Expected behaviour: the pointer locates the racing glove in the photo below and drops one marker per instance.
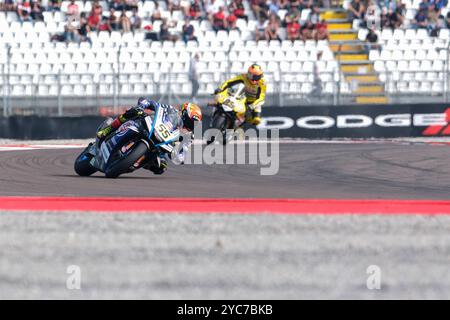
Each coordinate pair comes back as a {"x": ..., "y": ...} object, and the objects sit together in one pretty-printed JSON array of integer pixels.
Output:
[
  {"x": 104, "y": 132},
  {"x": 133, "y": 113}
]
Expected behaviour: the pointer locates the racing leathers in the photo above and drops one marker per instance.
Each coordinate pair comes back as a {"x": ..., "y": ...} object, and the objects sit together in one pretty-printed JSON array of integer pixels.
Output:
[
  {"x": 255, "y": 93},
  {"x": 171, "y": 119}
]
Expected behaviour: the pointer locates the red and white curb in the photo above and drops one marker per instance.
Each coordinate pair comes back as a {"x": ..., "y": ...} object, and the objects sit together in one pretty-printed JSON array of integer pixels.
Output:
[{"x": 226, "y": 206}]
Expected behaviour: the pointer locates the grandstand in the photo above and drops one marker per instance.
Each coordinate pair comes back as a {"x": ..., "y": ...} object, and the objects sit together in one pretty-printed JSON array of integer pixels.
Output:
[{"x": 113, "y": 67}]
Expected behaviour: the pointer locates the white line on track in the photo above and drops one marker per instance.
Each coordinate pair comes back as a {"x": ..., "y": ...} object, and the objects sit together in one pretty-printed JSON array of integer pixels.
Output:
[{"x": 55, "y": 144}]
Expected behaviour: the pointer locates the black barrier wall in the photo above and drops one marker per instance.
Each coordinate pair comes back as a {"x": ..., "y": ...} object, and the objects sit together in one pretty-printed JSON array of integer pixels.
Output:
[
  {"x": 376, "y": 121},
  {"x": 34, "y": 127}
]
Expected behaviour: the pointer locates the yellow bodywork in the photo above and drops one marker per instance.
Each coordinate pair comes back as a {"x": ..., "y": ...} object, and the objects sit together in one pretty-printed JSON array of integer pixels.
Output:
[{"x": 236, "y": 103}]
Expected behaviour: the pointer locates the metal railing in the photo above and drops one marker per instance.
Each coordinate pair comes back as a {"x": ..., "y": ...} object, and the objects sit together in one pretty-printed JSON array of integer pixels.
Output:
[{"x": 285, "y": 88}]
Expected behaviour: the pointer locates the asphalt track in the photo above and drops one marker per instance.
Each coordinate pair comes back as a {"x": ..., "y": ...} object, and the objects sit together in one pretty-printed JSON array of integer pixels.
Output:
[
  {"x": 187, "y": 256},
  {"x": 306, "y": 171}
]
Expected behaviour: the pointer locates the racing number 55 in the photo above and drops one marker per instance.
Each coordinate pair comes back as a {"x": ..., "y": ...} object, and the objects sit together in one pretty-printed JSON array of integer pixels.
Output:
[{"x": 163, "y": 131}]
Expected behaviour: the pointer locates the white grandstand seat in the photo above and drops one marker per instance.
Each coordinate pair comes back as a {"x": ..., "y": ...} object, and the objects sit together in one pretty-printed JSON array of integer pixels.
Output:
[
  {"x": 386, "y": 34},
  {"x": 386, "y": 55},
  {"x": 421, "y": 34},
  {"x": 397, "y": 55},
  {"x": 296, "y": 66},
  {"x": 426, "y": 65}
]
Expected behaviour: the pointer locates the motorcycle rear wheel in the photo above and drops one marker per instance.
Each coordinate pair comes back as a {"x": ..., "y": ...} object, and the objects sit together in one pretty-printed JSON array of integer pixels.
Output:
[{"x": 124, "y": 164}]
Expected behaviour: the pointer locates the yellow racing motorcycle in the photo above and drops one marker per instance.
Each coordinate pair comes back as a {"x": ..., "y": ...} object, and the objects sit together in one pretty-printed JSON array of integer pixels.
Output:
[{"x": 228, "y": 116}]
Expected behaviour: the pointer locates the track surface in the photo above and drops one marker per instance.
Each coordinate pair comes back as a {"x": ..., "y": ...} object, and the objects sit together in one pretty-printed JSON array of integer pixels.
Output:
[
  {"x": 336, "y": 171},
  {"x": 239, "y": 256}
]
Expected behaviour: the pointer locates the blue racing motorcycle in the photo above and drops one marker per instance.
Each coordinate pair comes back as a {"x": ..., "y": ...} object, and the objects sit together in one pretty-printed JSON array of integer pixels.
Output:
[{"x": 142, "y": 142}]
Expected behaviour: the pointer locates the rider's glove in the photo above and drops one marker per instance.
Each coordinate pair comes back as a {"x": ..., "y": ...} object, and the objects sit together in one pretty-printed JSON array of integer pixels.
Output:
[
  {"x": 104, "y": 132},
  {"x": 133, "y": 113},
  {"x": 217, "y": 91}
]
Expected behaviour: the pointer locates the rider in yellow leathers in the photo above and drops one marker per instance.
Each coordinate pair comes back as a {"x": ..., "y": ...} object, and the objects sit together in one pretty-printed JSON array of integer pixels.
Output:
[{"x": 255, "y": 91}]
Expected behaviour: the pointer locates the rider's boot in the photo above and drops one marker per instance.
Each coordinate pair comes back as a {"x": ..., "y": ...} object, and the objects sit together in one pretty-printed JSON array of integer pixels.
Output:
[{"x": 158, "y": 166}]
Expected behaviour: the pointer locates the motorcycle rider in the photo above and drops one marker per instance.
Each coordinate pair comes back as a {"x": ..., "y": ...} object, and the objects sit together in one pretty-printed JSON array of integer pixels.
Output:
[
  {"x": 255, "y": 90},
  {"x": 176, "y": 118}
]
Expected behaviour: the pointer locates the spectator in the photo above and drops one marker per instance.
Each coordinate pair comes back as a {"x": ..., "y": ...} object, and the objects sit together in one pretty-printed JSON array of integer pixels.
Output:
[
  {"x": 396, "y": 17},
  {"x": 307, "y": 31},
  {"x": 135, "y": 21},
  {"x": 118, "y": 5},
  {"x": 104, "y": 25},
  {"x": 173, "y": 5},
  {"x": 94, "y": 20},
  {"x": 314, "y": 16},
  {"x": 185, "y": 7},
  {"x": 24, "y": 10},
  {"x": 424, "y": 5},
  {"x": 113, "y": 20},
  {"x": 259, "y": 8},
  {"x": 8, "y": 5},
  {"x": 195, "y": 11},
  {"x": 150, "y": 34},
  {"x": 164, "y": 34},
  {"x": 440, "y": 4},
  {"x": 212, "y": 7},
  {"x": 131, "y": 5},
  {"x": 293, "y": 15},
  {"x": 420, "y": 20},
  {"x": 356, "y": 9},
  {"x": 124, "y": 22},
  {"x": 37, "y": 11},
  {"x": 371, "y": 40},
  {"x": 260, "y": 29},
  {"x": 73, "y": 11},
  {"x": 238, "y": 10},
  {"x": 193, "y": 76},
  {"x": 317, "y": 86},
  {"x": 156, "y": 15},
  {"x": 70, "y": 34},
  {"x": 282, "y": 4},
  {"x": 54, "y": 5},
  {"x": 434, "y": 20},
  {"x": 84, "y": 30},
  {"x": 272, "y": 29},
  {"x": 232, "y": 22},
  {"x": 295, "y": 4},
  {"x": 219, "y": 21},
  {"x": 188, "y": 31},
  {"x": 447, "y": 20},
  {"x": 293, "y": 30},
  {"x": 309, "y": 4},
  {"x": 372, "y": 18},
  {"x": 321, "y": 31},
  {"x": 274, "y": 7}
]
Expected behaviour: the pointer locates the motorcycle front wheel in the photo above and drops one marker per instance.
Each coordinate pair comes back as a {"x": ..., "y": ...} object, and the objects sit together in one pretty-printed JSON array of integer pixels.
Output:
[
  {"x": 219, "y": 123},
  {"x": 83, "y": 165}
]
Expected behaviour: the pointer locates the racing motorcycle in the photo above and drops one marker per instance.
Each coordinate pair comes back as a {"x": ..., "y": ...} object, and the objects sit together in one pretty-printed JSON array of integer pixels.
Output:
[
  {"x": 229, "y": 114},
  {"x": 137, "y": 143}
]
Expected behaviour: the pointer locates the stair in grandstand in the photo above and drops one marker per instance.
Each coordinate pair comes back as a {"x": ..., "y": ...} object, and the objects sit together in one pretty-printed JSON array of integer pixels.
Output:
[{"x": 364, "y": 82}]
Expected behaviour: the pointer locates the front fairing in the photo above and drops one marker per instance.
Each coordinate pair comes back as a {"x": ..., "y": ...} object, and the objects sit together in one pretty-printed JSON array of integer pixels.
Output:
[{"x": 163, "y": 129}]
